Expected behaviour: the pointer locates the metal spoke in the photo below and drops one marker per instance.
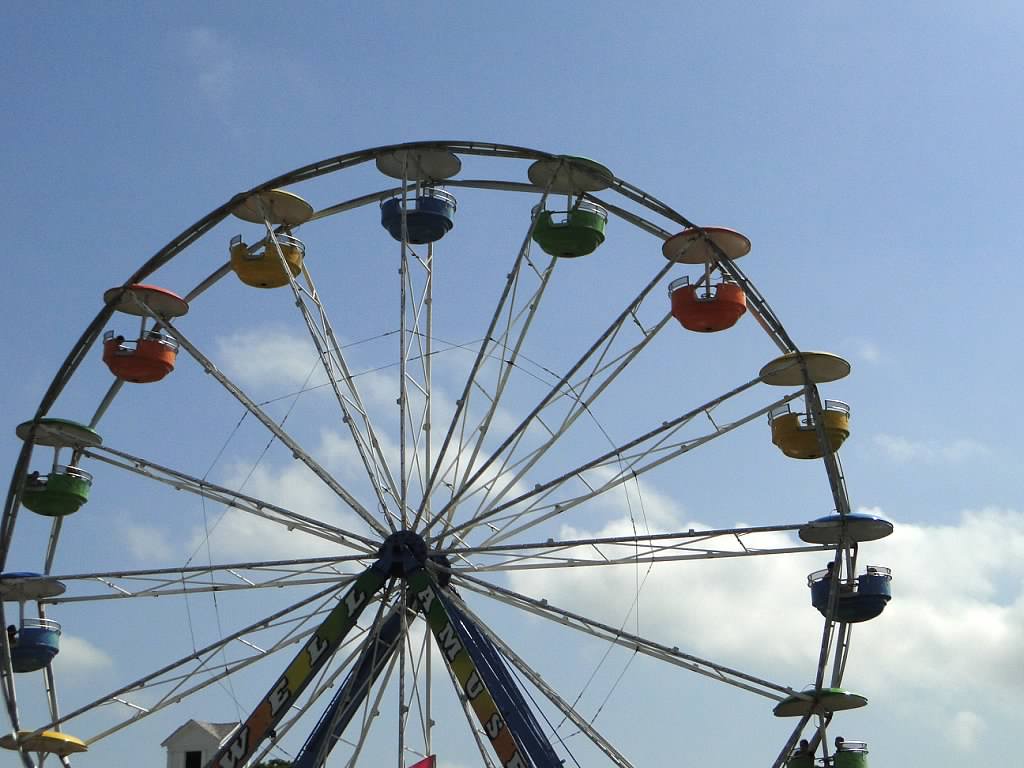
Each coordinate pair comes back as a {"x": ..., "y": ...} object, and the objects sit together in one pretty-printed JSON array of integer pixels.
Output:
[
  {"x": 511, "y": 349},
  {"x": 538, "y": 682},
  {"x": 243, "y": 502},
  {"x": 787, "y": 748},
  {"x": 634, "y": 642},
  {"x": 324, "y": 685},
  {"x": 484, "y": 350},
  {"x": 403, "y": 404},
  {"x": 206, "y": 651},
  {"x": 415, "y": 335},
  {"x": 403, "y": 708},
  {"x": 174, "y": 696},
  {"x": 373, "y": 654},
  {"x": 578, "y": 407},
  {"x": 425, "y": 346},
  {"x": 372, "y": 711},
  {"x": 7, "y": 681},
  {"x": 650, "y": 450},
  {"x": 598, "y": 347},
  {"x": 329, "y": 352},
  {"x": 625, "y": 550},
  {"x": 214, "y": 673},
  {"x": 281, "y": 435},
  {"x": 419, "y": 663},
  {"x": 227, "y": 577},
  {"x": 471, "y": 723}
]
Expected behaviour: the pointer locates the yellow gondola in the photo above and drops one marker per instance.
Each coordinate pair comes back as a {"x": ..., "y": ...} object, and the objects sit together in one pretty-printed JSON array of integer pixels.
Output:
[
  {"x": 261, "y": 267},
  {"x": 795, "y": 434}
]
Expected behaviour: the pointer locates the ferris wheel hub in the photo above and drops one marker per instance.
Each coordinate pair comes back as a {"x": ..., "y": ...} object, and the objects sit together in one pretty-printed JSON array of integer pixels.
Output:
[{"x": 404, "y": 552}]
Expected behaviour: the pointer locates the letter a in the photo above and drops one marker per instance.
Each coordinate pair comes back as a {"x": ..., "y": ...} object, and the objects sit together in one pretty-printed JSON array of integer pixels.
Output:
[{"x": 426, "y": 598}]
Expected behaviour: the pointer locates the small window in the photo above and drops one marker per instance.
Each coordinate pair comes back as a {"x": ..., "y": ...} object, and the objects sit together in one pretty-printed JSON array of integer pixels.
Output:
[{"x": 194, "y": 759}]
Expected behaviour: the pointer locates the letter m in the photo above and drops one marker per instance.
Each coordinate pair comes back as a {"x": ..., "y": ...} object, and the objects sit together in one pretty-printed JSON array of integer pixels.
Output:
[{"x": 449, "y": 642}]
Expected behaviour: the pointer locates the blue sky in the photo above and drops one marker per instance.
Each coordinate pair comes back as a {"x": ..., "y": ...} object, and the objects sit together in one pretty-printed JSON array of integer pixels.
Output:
[{"x": 872, "y": 153}]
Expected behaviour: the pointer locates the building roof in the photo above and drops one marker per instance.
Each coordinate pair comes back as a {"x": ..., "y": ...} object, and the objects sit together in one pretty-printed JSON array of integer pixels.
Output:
[{"x": 219, "y": 731}]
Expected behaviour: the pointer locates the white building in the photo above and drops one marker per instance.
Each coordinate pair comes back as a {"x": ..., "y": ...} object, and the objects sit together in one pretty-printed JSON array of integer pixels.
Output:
[{"x": 194, "y": 743}]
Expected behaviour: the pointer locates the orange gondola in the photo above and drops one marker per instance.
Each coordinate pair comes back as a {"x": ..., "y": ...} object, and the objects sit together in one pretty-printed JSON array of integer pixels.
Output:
[
  {"x": 707, "y": 310},
  {"x": 142, "y": 361},
  {"x": 152, "y": 355}
]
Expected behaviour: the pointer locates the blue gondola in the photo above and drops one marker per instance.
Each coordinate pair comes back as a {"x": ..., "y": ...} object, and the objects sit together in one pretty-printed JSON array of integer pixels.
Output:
[
  {"x": 859, "y": 599},
  {"x": 428, "y": 216},
  {"x": 35, "y": 645}
]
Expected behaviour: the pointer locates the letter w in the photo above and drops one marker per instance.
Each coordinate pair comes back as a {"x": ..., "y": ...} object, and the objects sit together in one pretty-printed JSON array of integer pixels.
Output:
[{"x": 237, "y": 751}]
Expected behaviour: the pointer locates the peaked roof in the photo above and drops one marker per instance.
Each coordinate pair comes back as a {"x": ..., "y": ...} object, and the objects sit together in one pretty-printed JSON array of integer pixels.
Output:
[{"x": 219, "y": 731}]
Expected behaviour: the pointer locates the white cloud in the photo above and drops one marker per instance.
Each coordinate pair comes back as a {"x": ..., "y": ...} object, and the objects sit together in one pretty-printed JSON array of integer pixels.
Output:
[
  {"x": 865, "y": 349},
  {"x": 956, "y": 621},
  {"x": 954, "y": 628},
  {"x": 145, "y": 543},
  {"x": 216, "y": 62},
  {"x": 231, "y": 77},
  {"x": 902, "y": 449},
  {"x": 869, "y": 352},
  {"x": 240, "y": 534},
  {"x": 79, "y": 660},
  {"x": 966, "y": 729},
  {"x": 269, "y": 358},
  {"x": 275, "y": 362},
  {"x": 720, "y": 609},
  {"x": 342, "y": 458}
]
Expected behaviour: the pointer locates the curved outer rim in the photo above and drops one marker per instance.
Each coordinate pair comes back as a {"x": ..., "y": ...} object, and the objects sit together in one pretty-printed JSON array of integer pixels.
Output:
[
  {"x": 88, "y": 337},
  {"x": 314, "y": 170},
  {"x": 84, "y": 343},
  {"x": 160, "y": 300}
]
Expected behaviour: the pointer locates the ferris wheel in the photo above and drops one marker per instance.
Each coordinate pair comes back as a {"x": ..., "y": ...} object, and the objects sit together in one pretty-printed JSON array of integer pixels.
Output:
[{"x": 380, "y": 399}]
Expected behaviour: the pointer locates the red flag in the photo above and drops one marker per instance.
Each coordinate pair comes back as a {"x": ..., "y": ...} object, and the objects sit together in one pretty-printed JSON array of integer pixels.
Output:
[{"x": 426, "y": 762}]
